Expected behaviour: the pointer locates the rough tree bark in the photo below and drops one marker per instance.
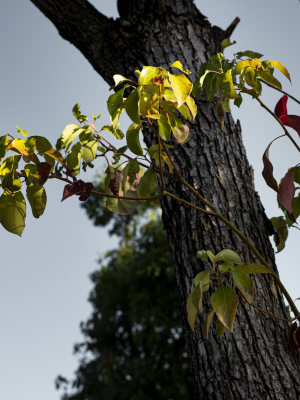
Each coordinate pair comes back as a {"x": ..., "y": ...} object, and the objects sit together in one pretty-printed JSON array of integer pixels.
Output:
[{"x": 255, "y": 362}]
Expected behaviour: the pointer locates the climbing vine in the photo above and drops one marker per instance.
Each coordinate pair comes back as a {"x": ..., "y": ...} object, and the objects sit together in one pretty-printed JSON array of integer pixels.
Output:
[{"x": 160, "y": 102}]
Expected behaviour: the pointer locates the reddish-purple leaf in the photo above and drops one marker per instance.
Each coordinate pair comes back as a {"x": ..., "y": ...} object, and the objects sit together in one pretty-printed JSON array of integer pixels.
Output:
[
  {"x": 292, "y": 121},
  {"x": 280, "y": 108},
  {"x": 294, "y": 337},
  {"x": 80, "y": 188},
  {"x": 268, "y": 170},
  {"x": 287, "y": 192},
  {"x": 44, "y": 169}
]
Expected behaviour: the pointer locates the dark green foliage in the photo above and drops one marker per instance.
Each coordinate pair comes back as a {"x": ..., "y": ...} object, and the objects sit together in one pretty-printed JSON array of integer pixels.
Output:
[{"x": 134, "y": 347}]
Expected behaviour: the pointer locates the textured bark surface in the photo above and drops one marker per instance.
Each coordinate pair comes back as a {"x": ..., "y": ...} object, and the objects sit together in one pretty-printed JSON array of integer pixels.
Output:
[{"x": 255, "y": 362}]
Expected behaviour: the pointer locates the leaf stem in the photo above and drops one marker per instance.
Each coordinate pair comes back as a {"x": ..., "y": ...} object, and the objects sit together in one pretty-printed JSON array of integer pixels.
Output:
[
  {"x": 188, "y": 203},
  {"x": 280, "y": 90},
  {"x": 272, "y": 315},
  {"x": 157, "y": 196}
]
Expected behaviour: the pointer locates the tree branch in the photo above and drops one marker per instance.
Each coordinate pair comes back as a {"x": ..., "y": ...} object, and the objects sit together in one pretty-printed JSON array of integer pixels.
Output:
[{"x": 95, "y": 35}]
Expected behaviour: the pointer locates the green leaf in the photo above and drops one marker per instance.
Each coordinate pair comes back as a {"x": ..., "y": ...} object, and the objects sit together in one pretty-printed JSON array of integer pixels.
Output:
[
  {"x": 13, "y": 212},
  {"x": 69, "y": 134},
  {"x": 180, "y": 131},
  {"x": 224, "y": 301},
  {"x": 244, "y": 283},
  {"x": 178, "y": 65},
  {"x": 169, "y": 95},
  {"x": 54, "y": 154},
  {"x": 132, "y": 138},
  {"x": 281, "y": 235},
  {"x": 280, "y": 67},
  {"x": 184, "y": 111},
  {"x": 147, "y": 74},
  {"x": 191, "y": 311},
  {"x": 130, "y": 171},
  {"x": 3, "y": 146},
  {"x": 297, "y": 174},
  {"x": 296, "y": 206},
  {"x": 193, "y": 305},
  {"x": 11, "y": 182},
  {"x": 220, "y": 328},
  {"x": 207, "y": 322},
  {"x": 203, "y": 279},
  {"x": 226, "y": 43},
  {"x": 210, "y": 255},
  {"x": 149, "y": 101},
  {"x": 253, "y": 269},
  {"x": 115, "y": 107},
  {"x": 147, "y": 184},
  {"x": 181, "y": 86},
  {"x": 24, "y": 147},
  {"x": 164, "y": 127},
  {"x": 249, "y": 54},
  {"x": 228, "y": 255},
  {"x": 192, "y": 106},
  {"x": 228, "y": 87},
  {"x": 74, "y": 158},
  {"x": 42, "y": 144},
  {"x": 240, "y": 66},
  {"x": 119, "y": 79},
  {"x": 132, "y": 106},
  {"x": 32, "y": 174},
  {"x": 37, "y": 198},
  {"x": 225, "y": 267},
  {"x": 116, "y": 132},
  {"x": 10, "y": 179},
  {"x": 123, "y": 207},
  {"x": 202, "y": 254},
  {"x": 269, "y": 78},
  {"x": 89, "y": 150},
  {"x": 118, "y": 153}
]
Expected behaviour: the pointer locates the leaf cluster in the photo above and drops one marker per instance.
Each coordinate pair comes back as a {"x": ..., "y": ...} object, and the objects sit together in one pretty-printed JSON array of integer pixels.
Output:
[{"x": 227, "y": 274}]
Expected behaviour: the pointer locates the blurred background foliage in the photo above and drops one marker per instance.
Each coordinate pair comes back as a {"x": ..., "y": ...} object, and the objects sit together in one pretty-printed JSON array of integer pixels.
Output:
[{"x": 134, "y": 346}]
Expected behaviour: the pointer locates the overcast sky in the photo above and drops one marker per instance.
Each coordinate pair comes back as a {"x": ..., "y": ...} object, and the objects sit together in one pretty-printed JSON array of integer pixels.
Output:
[{"x": 44, "y": 281}]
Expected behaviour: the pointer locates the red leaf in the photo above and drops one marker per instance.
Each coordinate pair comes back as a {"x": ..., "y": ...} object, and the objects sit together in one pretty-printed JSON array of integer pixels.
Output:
[
  {"x": 294, "y": 337},
  {"x": 280, "y": 108},
  {"x": 44, "y": 169},
  {"x": 268, "y": 170},
  {"x": 287, "y": 192},
  {"x": 80, "y": 188},
  {"x": 292, "y": 121}
]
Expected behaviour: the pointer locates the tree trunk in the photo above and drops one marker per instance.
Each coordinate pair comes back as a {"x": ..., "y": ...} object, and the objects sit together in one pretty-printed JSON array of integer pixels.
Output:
[{"x": 255, "y": 362}]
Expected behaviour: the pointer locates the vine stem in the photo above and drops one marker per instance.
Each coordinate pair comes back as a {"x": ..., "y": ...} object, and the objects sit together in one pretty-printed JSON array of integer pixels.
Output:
[
  {"x": 248, "y": 242},
  {"x": 250, "y": 245},
  {"x": 278, "y": 120},
  {"x": 272, "y": 315},
  {"x": 188, "y": 203},
  {"x": 157, "y": 196},
  {"x": 280, "y": 90}
]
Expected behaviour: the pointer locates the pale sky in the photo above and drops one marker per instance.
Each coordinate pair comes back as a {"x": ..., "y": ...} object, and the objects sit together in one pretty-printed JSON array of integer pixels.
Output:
[{"x": 44, "y": 281}]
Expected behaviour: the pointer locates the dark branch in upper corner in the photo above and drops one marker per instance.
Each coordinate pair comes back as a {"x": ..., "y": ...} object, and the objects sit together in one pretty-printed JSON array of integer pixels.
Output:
[
  {"x": 232, "y": 27},
  {"x": 79, "y": 22}
]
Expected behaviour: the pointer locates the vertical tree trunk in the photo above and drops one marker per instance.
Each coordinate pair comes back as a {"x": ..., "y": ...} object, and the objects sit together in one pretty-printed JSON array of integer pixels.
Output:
[{"x": 255, "y": 362}]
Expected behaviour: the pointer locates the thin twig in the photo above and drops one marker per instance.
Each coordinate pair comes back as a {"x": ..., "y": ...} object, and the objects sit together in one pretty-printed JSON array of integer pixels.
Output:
[
  {"x": 272, "y": 315},
  {"x": 280, "y": 90},
  {"x": 189, "y": 204}
]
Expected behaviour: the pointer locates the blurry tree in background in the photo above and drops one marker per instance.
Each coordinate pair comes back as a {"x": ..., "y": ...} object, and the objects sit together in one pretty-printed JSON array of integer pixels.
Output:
[{"x": 134, "y": 346}]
